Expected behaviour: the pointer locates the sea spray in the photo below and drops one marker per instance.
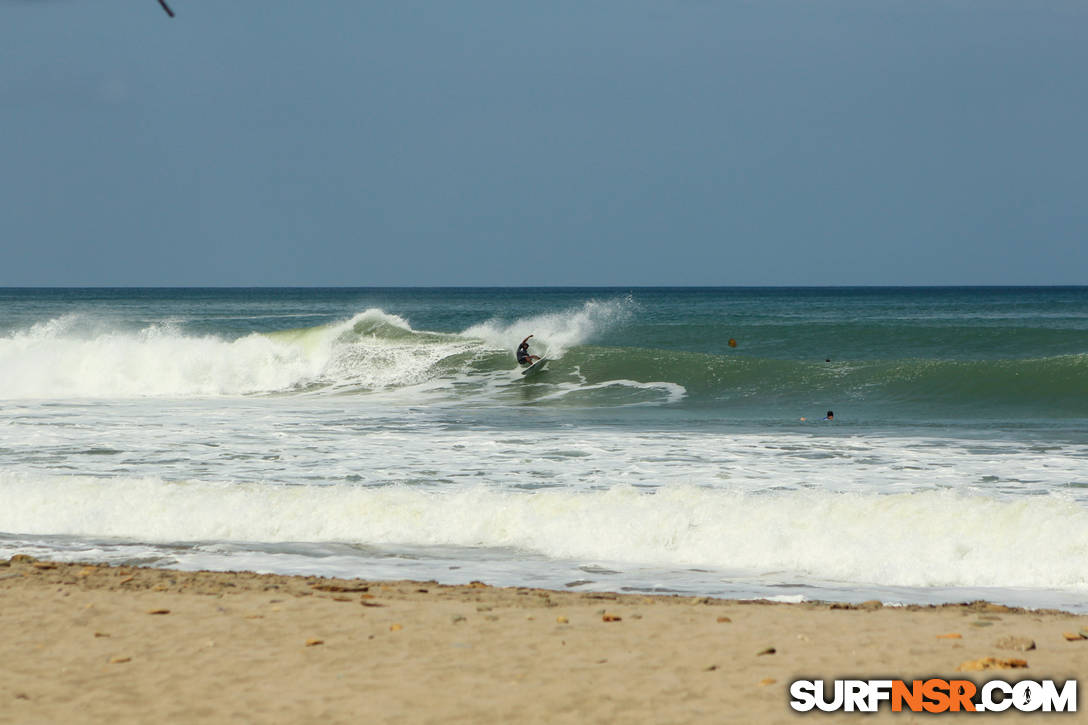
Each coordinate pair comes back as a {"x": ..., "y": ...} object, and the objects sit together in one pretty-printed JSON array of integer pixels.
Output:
[{"x": 556, "y": 332}]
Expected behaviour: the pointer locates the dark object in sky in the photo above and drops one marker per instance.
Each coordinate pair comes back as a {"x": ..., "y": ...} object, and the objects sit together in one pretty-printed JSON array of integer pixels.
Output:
[{"x": 166, "y": 8}]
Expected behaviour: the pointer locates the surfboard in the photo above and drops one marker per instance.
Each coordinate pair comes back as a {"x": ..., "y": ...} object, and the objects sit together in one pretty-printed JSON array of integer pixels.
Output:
[{"x": 536, "y": 367}]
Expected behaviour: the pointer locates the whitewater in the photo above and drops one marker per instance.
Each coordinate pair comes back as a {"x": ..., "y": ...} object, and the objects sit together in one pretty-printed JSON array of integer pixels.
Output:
[{"x": 387, "y": 433}]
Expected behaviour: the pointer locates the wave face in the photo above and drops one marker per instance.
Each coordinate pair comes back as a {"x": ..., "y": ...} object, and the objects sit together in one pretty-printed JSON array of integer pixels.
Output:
[
  {"x": 1050, "y": 386},
  {"x": 923, "y": 539}
]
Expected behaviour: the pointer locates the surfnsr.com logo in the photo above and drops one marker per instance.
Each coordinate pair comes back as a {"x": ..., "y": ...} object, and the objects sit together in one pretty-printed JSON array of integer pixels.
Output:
[{"x": 933, "y": 695}]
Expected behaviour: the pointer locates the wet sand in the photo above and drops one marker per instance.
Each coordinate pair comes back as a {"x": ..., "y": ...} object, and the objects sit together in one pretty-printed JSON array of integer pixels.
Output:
[{"x": 96, "y": 644}]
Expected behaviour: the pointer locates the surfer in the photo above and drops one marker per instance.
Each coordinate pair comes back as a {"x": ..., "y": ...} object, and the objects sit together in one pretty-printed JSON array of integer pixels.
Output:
[
  {"x": 524, "y": 358},
  {"x": 830, "y": 415}
]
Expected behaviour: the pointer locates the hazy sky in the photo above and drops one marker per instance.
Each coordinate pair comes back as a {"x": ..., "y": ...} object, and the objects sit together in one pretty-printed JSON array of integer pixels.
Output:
[{"x": 626, "y": 142}]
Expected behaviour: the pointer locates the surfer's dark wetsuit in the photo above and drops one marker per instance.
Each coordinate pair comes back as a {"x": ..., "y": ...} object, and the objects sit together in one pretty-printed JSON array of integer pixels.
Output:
[{"x": 524, "y": 358}]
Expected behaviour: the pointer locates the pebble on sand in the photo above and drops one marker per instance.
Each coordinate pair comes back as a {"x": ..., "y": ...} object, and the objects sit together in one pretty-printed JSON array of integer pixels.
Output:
[
  {"x": 340, "y": 588},
  {"x": 992, "y": 663},
  {"x": 314, "y": 642},
  {"x": 1021, "y": 644}
]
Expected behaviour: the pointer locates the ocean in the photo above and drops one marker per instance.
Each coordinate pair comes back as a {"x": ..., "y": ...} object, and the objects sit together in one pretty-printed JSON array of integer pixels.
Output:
[{"x": 387, "y": 433}]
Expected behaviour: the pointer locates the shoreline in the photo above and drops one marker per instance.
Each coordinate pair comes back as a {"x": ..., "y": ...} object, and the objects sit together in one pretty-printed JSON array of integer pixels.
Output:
[{"x": 101, "y": 643}]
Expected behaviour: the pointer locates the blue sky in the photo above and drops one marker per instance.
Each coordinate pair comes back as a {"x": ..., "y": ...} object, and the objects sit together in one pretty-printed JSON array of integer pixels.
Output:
[{"x": 591, "y": 142}]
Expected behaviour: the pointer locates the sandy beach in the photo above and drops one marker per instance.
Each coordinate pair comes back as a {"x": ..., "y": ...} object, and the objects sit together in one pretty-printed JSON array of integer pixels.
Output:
[{"x": 90, "y": 643}]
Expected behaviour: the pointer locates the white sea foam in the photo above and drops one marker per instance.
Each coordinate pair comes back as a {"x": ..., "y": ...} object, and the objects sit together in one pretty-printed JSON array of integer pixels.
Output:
[
  {"x": 375, "y": 350},
  {"x": 636, "y": 393},
  {"x": 70, "y": 357},
  {"x": 59, "y": 359},
  {"x": 921, "y": 539}
]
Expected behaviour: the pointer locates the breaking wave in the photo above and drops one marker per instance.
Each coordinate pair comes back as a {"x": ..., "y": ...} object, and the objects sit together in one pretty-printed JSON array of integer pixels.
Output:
[
  {"x": 73, "y": 357},
  {"x": 918, "y": 539}
]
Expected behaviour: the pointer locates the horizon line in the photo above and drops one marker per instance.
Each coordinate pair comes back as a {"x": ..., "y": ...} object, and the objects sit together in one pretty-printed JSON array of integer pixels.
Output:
[{"x": 864, "y": 285}]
